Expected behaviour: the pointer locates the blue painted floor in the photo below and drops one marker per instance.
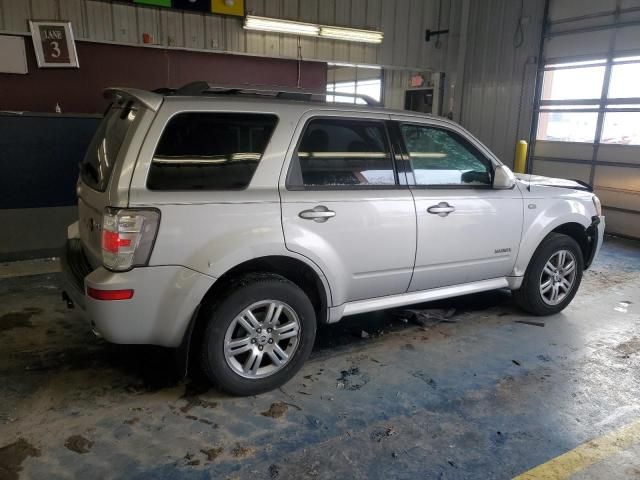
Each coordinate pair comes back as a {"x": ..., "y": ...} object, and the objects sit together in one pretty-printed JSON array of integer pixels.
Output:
[{"x": 481, "y": 397}]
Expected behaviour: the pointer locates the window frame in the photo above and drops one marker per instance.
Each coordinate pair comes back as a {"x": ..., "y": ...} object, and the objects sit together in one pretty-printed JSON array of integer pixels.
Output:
[
  {"x": 388, "y": 141},
  {"x": 211, "y": 112},
  {"x": 411, "y": 177}
]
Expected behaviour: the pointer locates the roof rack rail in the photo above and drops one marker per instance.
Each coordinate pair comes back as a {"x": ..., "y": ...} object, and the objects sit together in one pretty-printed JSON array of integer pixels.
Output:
[{"x": 204, "y": 88}]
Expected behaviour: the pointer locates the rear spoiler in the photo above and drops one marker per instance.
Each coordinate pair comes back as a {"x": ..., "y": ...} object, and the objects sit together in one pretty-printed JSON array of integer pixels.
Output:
[{"x": 149, "y": 99}]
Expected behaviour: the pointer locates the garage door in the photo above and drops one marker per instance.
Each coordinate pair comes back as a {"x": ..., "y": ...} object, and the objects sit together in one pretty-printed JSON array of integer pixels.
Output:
[{"x": 587, "y": 124}]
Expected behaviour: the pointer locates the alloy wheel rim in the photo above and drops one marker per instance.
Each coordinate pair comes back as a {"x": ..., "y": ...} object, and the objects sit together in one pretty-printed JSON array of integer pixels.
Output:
[
  {"x": 262, "y": 339},
  {"x": 558, "y": 277}
]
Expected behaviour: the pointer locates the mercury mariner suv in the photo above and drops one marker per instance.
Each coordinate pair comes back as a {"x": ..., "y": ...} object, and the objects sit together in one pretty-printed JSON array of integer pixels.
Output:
[{"x": 228, "y": 223}]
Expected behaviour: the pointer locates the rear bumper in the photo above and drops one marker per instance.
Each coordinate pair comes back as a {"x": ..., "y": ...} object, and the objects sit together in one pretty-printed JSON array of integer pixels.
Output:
[
  {"x": 164, "y": 300},
  {"x": 75, "y": 267}
]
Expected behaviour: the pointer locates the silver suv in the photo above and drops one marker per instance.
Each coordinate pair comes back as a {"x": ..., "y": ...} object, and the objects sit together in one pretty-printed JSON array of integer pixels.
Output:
[{"x": 230, "y": 223}]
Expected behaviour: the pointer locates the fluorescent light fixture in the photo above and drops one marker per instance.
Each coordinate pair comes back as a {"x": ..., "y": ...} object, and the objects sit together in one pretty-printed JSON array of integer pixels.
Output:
[
  {"x": 291, "y": 27},
  {"x": 351, "y": 34},
  {"x": 280, "y": 26}
]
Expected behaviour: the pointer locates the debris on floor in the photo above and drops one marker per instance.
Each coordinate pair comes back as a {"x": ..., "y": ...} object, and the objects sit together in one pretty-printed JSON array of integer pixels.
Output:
[
  {"x": 212, "y": 453},
  {"x": 276, "y": 410},
  {"x": 78, "y": 444},
  {"x": 379, "y": 435},
  {"x": 240, "y": 451},
  {"x": 346, "y": 381},
  {"x": 427, "y": 317},
  {"x": 529, "y": 322}
]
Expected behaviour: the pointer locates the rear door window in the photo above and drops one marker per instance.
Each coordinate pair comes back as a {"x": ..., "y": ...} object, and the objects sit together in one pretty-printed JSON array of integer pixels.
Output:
[
  {"x": 210, "y": 151},
  {"x": 98, "y": 162},
  {"x": 342, "y": 153}
]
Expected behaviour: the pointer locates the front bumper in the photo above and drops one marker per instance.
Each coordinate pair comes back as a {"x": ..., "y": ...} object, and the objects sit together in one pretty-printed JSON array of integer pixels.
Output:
[
  {"x": 595, "y": 231},
  {"x": 164, "y": 300}
]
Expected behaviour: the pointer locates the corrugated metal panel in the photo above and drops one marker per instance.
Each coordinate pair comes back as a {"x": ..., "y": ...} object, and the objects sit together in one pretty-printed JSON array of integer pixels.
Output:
[
  {"x": 402, "y": 21},
  {"x": 387, "y": 24},
  {"x": 172, "y": 28},
  {"x": 16, "y": 16},
  {"x": 99, "y": 21},
  {"x": 309, "y": 13},
  {"x": 194, "y": 36},
  {"x": 498, "y": 76},
  {"x": 125, "y": 27},
  {"x": 373, "y": 21},
  {"x": 327, "y": 16},
  {"x": 401, "y": 34},
  {"x": 234, "y": 34},
  {"x": 149, "y": 23},
  {"x": 75, "y": 12},
  {"x": 43, "y": 9},
  {"x": 258, "y": 43},
  {"x": 214, "y": 37},
  {"x": 342, "y": 17},
  {"x": 395, "y": 82}
]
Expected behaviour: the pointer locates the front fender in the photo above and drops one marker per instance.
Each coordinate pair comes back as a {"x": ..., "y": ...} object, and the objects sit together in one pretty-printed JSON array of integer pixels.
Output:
[{"x": 541, "y": 217}]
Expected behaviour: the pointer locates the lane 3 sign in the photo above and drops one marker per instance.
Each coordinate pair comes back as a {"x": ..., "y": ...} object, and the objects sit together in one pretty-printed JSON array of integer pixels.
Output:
[{"x": 54, "y": 44}]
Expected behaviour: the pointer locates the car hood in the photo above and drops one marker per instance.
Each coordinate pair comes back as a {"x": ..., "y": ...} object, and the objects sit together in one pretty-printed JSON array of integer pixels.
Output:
[{"x": 529, "y": 181}]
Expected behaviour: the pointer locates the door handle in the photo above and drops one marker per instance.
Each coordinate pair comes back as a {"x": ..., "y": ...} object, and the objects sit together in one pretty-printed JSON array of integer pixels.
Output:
[
  {"x": 443, "y": 209},
  {"x": 318, "y": 214}
]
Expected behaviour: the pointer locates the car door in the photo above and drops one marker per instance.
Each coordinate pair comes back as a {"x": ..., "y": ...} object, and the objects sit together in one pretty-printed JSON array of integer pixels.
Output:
[
  {"x": 467, "y": 230},
  {"x": 343, "y": 207}
]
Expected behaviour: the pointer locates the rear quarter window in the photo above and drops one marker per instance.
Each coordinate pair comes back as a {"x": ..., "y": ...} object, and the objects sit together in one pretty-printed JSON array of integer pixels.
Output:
[
  {"x": 98, "y": 162},
  {"x": 210, "y": 151}
]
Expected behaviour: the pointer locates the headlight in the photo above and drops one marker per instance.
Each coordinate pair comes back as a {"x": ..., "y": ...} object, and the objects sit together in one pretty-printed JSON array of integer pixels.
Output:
[{"x": 598, "y": 205}]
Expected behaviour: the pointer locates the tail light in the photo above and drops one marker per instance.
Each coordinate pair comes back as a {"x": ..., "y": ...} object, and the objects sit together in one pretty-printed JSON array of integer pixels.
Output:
[{"x": 127, "y": 237}]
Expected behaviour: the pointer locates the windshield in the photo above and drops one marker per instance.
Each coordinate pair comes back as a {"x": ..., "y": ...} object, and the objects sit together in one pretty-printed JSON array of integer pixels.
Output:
[{"x": 98, "y": 162}]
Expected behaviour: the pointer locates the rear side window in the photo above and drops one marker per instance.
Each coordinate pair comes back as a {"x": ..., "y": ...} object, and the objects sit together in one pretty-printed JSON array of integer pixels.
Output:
[
  {"x": 210, "y": 151},
  {"x": 342, "y": 153},
  {"x": 98, "y": 162}
]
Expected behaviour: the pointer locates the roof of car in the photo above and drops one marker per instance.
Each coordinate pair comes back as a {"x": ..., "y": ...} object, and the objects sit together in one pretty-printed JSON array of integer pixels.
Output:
[{"x": 256, "y": 95}]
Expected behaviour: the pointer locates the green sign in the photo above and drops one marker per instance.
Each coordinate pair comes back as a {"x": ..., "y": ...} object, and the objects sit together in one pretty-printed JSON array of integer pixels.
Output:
[{"x": 156, "y": 3}]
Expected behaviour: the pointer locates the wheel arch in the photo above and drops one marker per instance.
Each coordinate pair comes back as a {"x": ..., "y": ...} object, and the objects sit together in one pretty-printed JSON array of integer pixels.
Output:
[
  {"x": 576, "y": 227},
  {"x": 305, "y": 276}
]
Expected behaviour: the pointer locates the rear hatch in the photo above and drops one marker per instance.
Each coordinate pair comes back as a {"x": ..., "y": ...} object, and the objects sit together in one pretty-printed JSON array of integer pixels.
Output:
[{"x": 101, "y": 170}]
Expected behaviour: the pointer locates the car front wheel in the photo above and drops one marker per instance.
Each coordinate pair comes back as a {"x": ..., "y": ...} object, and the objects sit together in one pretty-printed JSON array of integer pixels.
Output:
[
  {"x": 259, "y": 335},
  {"x": 553, "y": 276}
]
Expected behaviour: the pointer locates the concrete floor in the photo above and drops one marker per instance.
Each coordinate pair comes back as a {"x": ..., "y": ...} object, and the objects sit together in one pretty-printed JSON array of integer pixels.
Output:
[{"x": 483, "y": 397}]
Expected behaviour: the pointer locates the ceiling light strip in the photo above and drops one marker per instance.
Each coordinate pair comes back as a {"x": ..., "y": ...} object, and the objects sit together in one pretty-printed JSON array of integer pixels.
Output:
[{"x": 290, "y": 27}]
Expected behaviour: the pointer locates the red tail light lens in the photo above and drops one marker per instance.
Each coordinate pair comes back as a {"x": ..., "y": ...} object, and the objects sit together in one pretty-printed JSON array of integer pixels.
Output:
[
  {"x": 127, "y": 237},
  {"x": 111, "y": 241},
  {"x": 109, "y": 294}
]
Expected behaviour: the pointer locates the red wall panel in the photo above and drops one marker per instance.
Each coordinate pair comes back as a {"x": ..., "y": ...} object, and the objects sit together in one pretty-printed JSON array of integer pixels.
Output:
[{"x": 106, "y": 65}]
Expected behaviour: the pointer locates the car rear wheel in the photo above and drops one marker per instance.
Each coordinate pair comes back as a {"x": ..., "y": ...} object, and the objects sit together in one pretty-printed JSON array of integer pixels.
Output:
[
  {"x": 553, "y": 276},
  {"x": 258, "y": 334}
]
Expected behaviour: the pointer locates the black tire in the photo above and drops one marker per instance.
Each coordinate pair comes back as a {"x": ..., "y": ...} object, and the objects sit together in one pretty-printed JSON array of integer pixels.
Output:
[
  {"x": 221, "y": 312},
  {"x": 529, "y": 297}
]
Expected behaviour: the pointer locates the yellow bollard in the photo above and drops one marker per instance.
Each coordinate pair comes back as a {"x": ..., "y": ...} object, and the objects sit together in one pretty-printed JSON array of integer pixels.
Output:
[{"x": 520, "y": 164}]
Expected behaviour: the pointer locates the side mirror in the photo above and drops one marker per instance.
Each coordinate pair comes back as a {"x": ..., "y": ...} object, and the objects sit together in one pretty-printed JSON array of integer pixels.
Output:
[{"x": 503, "y": 178}]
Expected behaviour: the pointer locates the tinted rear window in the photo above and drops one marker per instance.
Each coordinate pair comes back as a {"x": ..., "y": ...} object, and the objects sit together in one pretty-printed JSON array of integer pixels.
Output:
[
  {"x": 98, "y": 162},
  {"x": 210, "y": 151}
]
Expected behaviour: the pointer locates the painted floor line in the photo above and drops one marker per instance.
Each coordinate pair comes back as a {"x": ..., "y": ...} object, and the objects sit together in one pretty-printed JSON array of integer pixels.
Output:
[{"x": 585, "y": 455}]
